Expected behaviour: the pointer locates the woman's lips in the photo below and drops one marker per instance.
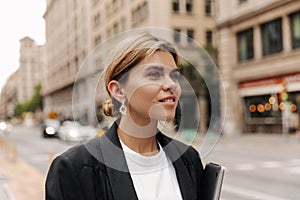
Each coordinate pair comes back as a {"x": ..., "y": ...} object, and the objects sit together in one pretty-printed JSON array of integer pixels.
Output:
[{"x": 171, "y": 100}]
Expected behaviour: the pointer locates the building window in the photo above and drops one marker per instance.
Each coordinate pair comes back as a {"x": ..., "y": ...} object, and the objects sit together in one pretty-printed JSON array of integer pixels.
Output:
[
  {"x": 175, "y": 5},
  {"x": 242, "y": 1},
  {"x": 190, "y": 34},
  {"x": 116, "y": 28},
  {"x": 177, "y": 36},
  {"x": 295, "y": 29},
  {"x": 209, "y": 38},
  {"x": 95, "y": 2},
  {"x": 115, "y": 5},
  {"x": 123, "y": 24},
  {"x": 245, "y": 45},
  {"x": 189, "y": 6},
  {"x": 97, "y": 20},
  {"x": 97, "y": 40},
  {"x": 208, "y": 7},
  {"x": 140, "y": 14},
  {"x": 272, "y": 37}
]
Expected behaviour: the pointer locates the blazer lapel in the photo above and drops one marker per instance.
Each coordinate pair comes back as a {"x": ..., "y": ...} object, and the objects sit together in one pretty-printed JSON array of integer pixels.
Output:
[
  {"x": 117, "y": 170},
  {"x": 182, "y": 168},
  {"x": 184, "y": 179}
]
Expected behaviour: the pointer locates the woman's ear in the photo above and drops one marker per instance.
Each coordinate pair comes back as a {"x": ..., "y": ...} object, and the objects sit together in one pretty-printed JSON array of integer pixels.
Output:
[{"x": 116, "y": 90}]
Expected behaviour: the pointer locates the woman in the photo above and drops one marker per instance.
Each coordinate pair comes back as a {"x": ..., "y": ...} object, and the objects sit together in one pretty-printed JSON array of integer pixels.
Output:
[{"x": 133, "y": 159}]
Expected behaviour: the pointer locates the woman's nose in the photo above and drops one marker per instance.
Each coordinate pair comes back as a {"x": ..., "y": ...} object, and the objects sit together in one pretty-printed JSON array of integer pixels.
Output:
[{"x": 169, "y": 84}]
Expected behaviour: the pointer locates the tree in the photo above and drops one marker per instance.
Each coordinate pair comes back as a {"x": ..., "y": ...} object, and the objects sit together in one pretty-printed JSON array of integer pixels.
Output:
[{"x": 35, "y": 103}]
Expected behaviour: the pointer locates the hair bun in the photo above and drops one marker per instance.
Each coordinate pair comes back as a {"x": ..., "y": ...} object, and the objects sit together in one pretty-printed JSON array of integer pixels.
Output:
[{"x": 108, "y": 108}]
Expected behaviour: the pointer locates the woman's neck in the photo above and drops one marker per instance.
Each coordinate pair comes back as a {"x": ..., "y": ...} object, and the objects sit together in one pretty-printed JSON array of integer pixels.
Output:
[{"x": 141, "y": 139}]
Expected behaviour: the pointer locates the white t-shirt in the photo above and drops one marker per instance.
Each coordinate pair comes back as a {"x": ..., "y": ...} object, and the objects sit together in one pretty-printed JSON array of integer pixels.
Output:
[{"x": 154, "y": 177}]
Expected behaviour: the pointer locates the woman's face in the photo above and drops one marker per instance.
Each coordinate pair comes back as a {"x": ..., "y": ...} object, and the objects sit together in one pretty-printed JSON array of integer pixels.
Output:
[{"x": 152, "y": 89}]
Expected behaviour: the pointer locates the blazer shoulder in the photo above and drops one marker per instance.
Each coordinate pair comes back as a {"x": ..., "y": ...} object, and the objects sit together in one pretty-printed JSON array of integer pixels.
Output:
[{"x": 87, "y": 154}]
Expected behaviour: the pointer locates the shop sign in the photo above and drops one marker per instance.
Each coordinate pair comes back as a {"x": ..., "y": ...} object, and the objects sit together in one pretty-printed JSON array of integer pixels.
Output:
[{"x": 271, "y": 81}]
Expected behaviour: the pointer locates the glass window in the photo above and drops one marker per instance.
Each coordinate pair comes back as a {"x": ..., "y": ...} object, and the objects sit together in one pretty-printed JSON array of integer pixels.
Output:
[
  {"x": 245, "y": 45},
  {"x": 209, "y": 38},
  {"x": 272, "y": 37},
  {"x": 208, "y": 7},
  {"x": 177, "y": 35},
  {"x": 140, "y": 14},
  {"x": 295, "y": 29},
  {"x": 97, "y": 20},
  {"x": 176, "y": 5},
  {"x": 189, "y": 5},
  {"x": 190, "y": 34},
  {"x": 242, "y": 1}
]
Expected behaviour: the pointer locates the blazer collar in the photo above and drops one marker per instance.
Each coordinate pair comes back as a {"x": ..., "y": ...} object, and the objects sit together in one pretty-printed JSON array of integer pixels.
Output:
[
  {"x": 118, "y": 172},
  {"x": 175, "y": 151}
]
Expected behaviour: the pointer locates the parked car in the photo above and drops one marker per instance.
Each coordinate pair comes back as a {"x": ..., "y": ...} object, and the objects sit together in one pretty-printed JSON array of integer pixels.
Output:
[
  {"x": 5, "y": 127},
  {"x": 50, "y": 128},
  {"x": 73, "y": 131}
]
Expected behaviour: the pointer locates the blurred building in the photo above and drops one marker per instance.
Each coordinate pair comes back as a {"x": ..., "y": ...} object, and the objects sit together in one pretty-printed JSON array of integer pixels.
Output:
[
  {"x": 259, "y": 50},
  {"x": 31, "y": 69},
  {"x": 75, "y": 28},
  {"x": 193, "y": 18},
  {"x": 8, "y": 99},
  {"x": 67, "y": 44},
  {"x": 19, "y": 88}
]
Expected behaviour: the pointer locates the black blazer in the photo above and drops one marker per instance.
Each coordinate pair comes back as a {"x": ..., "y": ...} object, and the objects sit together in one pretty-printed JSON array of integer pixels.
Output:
[{"x": 97, "y": 170}]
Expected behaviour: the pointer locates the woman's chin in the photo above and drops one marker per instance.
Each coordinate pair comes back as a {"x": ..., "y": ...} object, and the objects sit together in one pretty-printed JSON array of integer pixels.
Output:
[
  {"x": 161, "y": 114},
  {"x": 163, "y": 117}
]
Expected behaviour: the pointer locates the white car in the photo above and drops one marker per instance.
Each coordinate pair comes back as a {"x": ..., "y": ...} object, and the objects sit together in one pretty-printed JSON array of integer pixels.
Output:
[
  {"x": 73, "y": 131},
  {"x": 5, "y": 127}
]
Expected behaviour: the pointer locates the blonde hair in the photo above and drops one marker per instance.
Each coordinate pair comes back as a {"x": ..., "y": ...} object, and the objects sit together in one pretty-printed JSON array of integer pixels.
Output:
[{"x": 126, "y": 56}]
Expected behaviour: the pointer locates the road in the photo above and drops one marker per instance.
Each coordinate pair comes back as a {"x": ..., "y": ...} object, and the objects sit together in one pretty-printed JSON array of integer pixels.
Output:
[
  {"x": 35, "y": 149},
  {"x": 260, "y": 167}
]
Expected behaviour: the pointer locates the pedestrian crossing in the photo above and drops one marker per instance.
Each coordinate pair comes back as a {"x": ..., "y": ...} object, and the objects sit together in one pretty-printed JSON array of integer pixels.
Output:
[
  {"x": 291, "y": 166},
  {"x": 247, "y": 180},
  {"x": 243, "y": 193}
]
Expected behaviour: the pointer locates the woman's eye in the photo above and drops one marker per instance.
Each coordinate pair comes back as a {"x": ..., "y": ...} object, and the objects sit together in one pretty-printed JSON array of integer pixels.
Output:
[
  {"x": 154, "y": 74},
  {"x": 175, "y": 75}
]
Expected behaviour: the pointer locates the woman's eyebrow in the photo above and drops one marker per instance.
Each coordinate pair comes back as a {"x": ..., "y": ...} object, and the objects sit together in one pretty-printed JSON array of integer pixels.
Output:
[{"x": 154, "y": 67}]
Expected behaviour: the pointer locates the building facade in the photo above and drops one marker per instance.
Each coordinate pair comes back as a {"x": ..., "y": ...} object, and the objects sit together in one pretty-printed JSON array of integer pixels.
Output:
[
  {"x": 194, "y": 18},
  {"x": 31, "y": 69},
  {"x": 67, "y": 45},
  {"x": 19, "y": 88},
  {"x": 259, "y": 49},
  {"x": 8, "y": 99}
]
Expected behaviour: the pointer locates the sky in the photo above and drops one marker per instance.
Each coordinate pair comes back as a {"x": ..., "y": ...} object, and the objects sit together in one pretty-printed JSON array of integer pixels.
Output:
[{"x": 18, "y": 19}]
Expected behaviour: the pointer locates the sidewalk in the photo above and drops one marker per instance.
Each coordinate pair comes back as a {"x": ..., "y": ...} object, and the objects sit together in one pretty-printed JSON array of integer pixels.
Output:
[
  {"x": 5, "y": 191},
  {"x": 18, "y": 179}
]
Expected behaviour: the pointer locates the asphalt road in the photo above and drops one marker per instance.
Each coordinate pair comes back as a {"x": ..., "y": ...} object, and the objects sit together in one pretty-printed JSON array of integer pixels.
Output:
[
  {"x": 260, "y": 167},
  {"x": 35, "y": 149}
]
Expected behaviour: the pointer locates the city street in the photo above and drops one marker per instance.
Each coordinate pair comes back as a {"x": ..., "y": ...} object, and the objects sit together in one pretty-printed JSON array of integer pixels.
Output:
[
  {"x": 260, "y": 167},
  {"x": 264, "y": 167},
  {"x": 35, "y": 149}
]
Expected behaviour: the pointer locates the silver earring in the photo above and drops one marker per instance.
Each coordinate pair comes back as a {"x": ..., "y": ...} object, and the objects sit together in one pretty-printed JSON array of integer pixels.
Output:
[{"x": 123, "y": 109}]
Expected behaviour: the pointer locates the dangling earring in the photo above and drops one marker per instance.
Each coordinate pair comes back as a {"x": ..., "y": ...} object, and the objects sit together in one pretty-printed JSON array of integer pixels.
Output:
[{"x": 123, "y": 109}]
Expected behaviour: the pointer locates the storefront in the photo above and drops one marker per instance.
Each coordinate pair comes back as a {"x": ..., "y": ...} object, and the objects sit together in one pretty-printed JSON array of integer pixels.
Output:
[{"x": 271, "y": 105}]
